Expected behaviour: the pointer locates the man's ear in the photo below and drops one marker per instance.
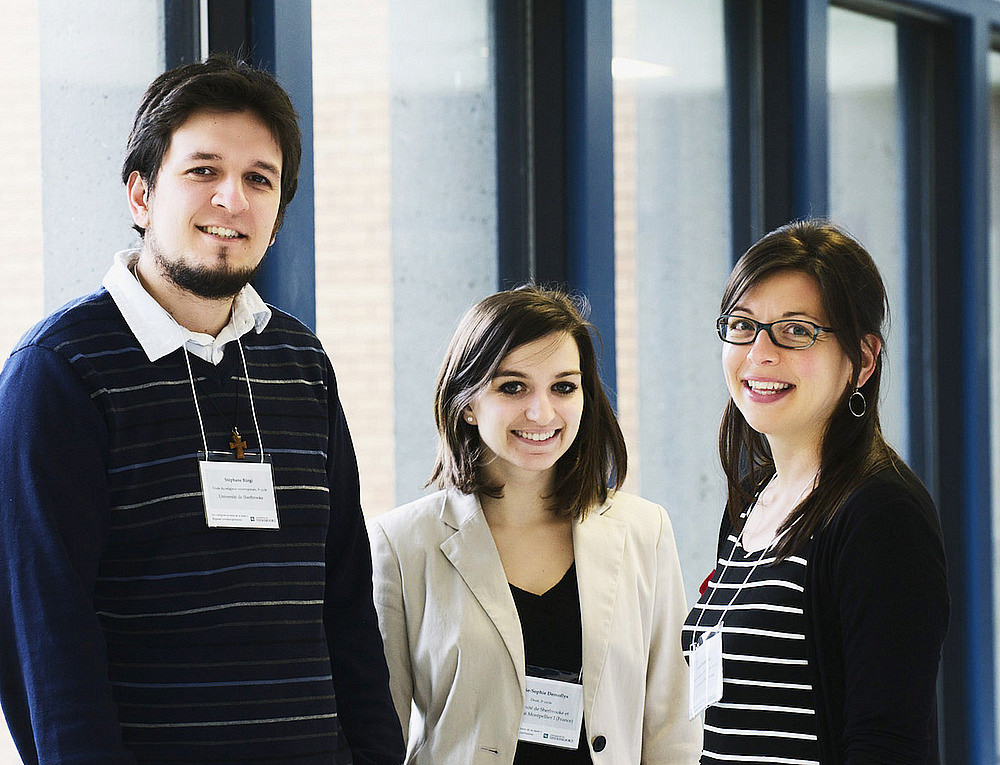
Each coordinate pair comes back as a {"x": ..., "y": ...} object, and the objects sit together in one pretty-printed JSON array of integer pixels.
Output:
[{"x": 137, "y": 190}]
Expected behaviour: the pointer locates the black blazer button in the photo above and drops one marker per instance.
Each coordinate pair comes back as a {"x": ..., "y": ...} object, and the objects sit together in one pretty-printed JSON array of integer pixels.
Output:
[{"x": 599, "y": 743}]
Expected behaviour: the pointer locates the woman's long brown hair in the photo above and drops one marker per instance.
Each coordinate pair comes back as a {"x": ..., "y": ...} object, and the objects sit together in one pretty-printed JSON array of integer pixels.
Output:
[{"x": 853, "y": 448}]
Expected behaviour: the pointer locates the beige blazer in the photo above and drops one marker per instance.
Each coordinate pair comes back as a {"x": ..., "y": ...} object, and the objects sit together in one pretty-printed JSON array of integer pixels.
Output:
[{"x": 453, "y": 639}]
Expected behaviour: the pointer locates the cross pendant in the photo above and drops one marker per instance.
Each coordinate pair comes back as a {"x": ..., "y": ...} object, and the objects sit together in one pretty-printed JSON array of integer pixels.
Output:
[{"x": 237, "y": 444}]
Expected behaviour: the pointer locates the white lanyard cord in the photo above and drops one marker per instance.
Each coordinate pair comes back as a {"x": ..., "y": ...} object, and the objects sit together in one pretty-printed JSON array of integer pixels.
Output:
[
  {"x": 194, "y": 394},
  {"x": 253, "y": 409},
  {"x": 197, "y": 408},
  {"x": 738, "y": 543}
]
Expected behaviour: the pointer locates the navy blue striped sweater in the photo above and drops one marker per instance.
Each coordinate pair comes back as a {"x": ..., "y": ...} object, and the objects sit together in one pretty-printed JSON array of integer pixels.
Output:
[{"x": 129, "y": 630}]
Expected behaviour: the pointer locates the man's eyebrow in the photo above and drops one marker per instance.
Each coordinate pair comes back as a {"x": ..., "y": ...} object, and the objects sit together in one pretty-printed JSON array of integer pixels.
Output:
[
  {"x": 205, "y": 155},
  {"x": 208, "y": 156},
  {"x": 267, "y": 167}
]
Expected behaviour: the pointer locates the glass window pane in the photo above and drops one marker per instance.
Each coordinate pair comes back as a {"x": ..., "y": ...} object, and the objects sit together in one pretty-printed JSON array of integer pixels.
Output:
[
  {"x": 405, "y": 214},
  {"x": 672, "y": 245},
  {"x": 21, "y": 199},
  {"x": 865, "y": 177},
  {"x": 994, "y": 69},
  {"x": 95, "y": 68},
  {"x": 64, "y": 130}
]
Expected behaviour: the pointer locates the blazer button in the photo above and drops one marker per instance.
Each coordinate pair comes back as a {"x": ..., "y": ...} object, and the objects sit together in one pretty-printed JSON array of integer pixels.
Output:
[{"x": 599, "y": 743}]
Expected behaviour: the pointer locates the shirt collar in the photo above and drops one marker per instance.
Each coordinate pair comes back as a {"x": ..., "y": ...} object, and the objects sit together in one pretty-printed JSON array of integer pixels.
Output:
[{"x": 157, "y": 331}]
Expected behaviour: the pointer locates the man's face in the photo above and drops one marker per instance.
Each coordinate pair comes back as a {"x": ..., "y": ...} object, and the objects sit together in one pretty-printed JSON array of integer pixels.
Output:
[{"x": 211, "y": 214}]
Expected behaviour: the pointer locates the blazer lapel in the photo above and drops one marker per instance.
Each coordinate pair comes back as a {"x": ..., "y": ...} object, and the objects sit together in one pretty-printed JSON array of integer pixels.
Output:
[
  {"x": 598, "y": 546},
  {"x": 474, "y": 555}
]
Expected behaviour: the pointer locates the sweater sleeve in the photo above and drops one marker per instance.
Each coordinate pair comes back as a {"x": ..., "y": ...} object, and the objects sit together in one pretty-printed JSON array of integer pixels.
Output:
[
  {"x": 54, "y": 510},
  {"x": 361, "y": 680},
  {"x": 891, "y": 591}
]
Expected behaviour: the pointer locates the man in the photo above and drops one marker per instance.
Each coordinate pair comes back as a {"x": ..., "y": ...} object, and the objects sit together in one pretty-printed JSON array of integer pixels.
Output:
[{"x": 185, "y": 566}]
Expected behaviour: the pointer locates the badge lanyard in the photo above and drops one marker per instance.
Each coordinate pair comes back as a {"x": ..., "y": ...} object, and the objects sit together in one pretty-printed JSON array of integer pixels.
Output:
[
  {"x": 197, "y": 407},
  {"x": 236, "y": 494},
  {"x": 705, "y": 680}
]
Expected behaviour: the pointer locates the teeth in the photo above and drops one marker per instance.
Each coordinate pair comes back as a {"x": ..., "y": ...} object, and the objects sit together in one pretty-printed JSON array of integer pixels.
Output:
[
  {"x": 535, "y": 436},
  {"x": 220, "y": 231},
  {"x": 766, "y": 386}
]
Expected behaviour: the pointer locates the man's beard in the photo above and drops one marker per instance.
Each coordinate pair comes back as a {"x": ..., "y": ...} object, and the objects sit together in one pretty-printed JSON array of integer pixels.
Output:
[{"x": 216, "y": 283}]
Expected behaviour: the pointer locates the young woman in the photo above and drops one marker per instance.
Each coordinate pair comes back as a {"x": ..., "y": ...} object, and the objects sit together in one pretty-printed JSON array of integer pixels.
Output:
[
  {"x": 830, "y": 595},
  {"x": 529, "y": 613}
]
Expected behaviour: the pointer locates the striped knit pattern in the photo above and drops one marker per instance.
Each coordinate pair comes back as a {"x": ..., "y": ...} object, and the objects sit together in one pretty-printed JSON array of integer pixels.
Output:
[
  {"x": 216, "y": 642},
  {"x": 767, "y": 713}
]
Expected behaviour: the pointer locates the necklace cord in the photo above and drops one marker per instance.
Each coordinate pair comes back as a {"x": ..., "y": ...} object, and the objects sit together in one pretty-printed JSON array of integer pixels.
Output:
[{"x": 253, "y": 409}]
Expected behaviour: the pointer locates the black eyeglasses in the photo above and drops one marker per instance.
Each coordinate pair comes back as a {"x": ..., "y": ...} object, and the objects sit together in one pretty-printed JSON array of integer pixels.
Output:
[{"x": 796, "y": 334}]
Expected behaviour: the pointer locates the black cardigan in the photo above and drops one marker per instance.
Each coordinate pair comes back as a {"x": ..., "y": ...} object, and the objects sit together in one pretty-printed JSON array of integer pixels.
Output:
[{"x": 876, "y": 608}]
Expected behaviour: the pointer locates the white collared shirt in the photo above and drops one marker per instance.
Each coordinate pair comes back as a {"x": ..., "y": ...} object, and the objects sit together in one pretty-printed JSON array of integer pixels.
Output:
[{"x": 159, "y": 333}]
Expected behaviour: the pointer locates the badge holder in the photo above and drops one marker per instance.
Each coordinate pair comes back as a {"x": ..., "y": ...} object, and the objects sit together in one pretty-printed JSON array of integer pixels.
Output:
[
  {"x": 705, "y": 674},
  {"x": 238, "y": 494},
  {"x": 553, "y": 708}
]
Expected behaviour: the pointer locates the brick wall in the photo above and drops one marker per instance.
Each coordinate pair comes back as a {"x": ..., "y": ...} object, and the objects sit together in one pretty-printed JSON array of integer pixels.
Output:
[
  {"x": 21, "y": 198},
  {"x": 353, "y": 236}
]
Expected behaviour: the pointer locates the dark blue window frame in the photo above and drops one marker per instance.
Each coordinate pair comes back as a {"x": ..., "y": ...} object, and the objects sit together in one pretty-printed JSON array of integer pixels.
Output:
[{"x": 555, "y": 200}]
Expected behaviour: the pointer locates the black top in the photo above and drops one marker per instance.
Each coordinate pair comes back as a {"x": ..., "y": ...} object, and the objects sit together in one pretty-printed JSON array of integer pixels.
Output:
[
  {"x": 553, "y": 639},
  {"x": 876, "y": 612},
  {"x": 767, "y": 711},
  {"x": 876, "y": 606}
]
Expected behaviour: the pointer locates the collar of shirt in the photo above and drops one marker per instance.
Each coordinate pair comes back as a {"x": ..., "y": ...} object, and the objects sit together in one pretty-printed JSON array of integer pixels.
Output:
[{"x": 157, "y": 331}]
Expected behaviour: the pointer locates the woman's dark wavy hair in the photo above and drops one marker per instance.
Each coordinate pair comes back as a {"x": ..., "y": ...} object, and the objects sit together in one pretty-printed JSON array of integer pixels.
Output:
[
  {"x": 219, "y": 83},
  {"x": 855, "y": 305},
  {"x": 490, "y": 330}
]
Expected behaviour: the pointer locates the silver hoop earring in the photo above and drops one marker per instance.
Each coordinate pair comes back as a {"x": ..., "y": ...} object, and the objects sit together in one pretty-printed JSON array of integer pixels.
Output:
[{"x": 852, "y": 403}]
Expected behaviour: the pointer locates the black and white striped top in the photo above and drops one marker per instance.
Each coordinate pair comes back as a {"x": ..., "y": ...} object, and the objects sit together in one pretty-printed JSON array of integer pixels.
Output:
[{"x": 767, "y": 712}]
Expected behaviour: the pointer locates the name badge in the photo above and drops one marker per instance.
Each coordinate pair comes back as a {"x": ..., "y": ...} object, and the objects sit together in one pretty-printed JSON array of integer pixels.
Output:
[
  {"x": 705, "y": 673},
  {"x": 553, "y": 712},
  {"x": 238, "y": 495}
]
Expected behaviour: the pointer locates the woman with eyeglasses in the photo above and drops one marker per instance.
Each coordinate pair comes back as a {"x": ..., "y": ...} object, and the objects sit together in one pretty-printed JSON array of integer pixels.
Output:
[
  {"x": 530, "y": 610},
  {"x": 818, "y": 636}
]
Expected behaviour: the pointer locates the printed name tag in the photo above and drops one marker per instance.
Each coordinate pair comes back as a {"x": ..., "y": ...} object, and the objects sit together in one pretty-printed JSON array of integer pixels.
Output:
[
  {"x": 553, "y": 712},
  {"x": 238, "y": 495},
  {"x": 705, "y": 673}
]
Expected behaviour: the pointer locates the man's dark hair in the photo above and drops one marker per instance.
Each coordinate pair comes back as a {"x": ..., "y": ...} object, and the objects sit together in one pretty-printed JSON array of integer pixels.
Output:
[{"x": 222, "y": 84}]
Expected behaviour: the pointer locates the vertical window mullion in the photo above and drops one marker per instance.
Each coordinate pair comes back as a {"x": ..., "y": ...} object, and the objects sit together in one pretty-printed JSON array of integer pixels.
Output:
[{"x": 590, "y": 239}]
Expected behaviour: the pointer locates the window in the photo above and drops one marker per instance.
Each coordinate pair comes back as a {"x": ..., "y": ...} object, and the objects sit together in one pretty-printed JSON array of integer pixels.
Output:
[
  {"x": 20, "y": 200},
  {"x": 405, "y": 215},
  {"x": 672, "y": 258},
  {"x": 866, "y": 178},
  {"x": 994, "y": 70}
]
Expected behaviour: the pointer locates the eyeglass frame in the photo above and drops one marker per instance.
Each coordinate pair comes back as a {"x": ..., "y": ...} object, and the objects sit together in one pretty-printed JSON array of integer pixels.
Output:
[{"x": 766, "y": 327}]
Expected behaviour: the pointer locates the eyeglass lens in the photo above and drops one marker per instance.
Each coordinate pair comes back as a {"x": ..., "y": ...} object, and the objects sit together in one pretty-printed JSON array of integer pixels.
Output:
[{"x": 788, "y": 333}]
